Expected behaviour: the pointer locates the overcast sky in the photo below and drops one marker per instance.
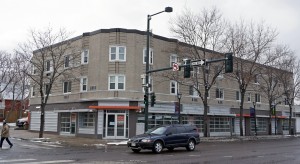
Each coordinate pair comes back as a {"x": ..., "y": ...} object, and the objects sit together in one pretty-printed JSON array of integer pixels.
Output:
[{"x": 79, "y": 16}]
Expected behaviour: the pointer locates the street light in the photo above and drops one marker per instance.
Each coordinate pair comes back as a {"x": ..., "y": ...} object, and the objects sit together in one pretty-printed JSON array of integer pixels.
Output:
[
  {"x": 168, "y": 10},
  {"x": 179, "y": 95},
  {"x": 254, "y": 104}
]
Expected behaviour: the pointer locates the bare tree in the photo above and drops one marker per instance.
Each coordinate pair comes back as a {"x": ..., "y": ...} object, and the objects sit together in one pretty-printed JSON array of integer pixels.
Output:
[
  {"x": 52, "y": 57},
  {"x": 269, "y": 79},
  {"x": 290, "y": 82},
  {"x": 201, "y": 31},
  {"x": 6, "y": 70},
  {"x": 249, "y": 43}
]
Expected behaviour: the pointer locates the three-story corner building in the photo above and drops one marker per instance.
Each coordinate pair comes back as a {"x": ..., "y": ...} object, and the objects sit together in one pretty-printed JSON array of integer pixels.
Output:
[{"x": 106, "y": 99}]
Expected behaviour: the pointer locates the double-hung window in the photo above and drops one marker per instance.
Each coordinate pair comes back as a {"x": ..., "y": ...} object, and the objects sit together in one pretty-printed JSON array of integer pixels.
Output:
[
  {"x": 32, "y": 91},
  {"x": 173, "y": 87},
  {"x": 48, "y": 66},
  {"x": 67, "y": 61},
  {"x": 173, "y": 59},
  {"x": 83, "y": 84},
  {"x": 249, "y": 97},
  {"x": 116, "y": 82},
  {"x": 238, "y": 96},
  {"x": 47, "y": 89},
  {"x": 219, "y": 93},
  {"x": 257, "y": 97},
  {"x": 85, "y": 56},
  {"x": 192, "y": 91},
  {"x": 117, "y": 53},
  {"x": 150, "y": 55},
  {"x": 67, "y": 87}
]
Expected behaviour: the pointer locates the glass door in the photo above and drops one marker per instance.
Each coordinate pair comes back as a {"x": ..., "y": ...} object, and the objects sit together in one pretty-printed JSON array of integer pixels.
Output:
[{"x": 115, "y": 125}]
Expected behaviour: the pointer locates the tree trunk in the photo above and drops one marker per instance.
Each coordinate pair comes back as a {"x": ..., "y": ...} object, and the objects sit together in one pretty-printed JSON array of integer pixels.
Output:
[{"x": 41, "y": 133}]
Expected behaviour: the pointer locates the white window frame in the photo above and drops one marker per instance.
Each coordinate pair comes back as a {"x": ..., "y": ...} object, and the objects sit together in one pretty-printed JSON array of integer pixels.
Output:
[
  {"x": 116, "y": 82},
  {"x": 173, "y": 85},
  {"x": 117, "y": 53},
  {"x": 249, "y": 97},
  {"x": 33, "y": 94},
  {"x": 173, "y": 59},
  {"x": 257, "y": 79},
  {"x": 69, "y": 85},
  {"x": 150, "y": 56},
  {"x": 48, "y": 62},
  {"x": 220, "y": 93},
  {"x": 82, "y": 84},
  {"x": 238, "y": 96},
  {"x": 45, "y": 85},
  {"x": 257, "y": 97},
  {"x": 85, "y": 54},
  {"x": 67, "y": 64}
]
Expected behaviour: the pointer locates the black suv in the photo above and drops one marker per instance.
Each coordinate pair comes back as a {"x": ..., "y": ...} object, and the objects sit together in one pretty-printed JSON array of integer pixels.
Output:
[{"x": 167, "y": 136}]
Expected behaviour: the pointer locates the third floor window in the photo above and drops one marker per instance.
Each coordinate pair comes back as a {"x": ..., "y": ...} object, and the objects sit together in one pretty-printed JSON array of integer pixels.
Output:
[
  {"x": 150, "y": 56},
  {"x": 117, "y": 53}
]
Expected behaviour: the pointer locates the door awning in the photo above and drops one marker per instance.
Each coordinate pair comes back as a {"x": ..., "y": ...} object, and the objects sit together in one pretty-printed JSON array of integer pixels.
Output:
[{"x": 115, "y": 107}]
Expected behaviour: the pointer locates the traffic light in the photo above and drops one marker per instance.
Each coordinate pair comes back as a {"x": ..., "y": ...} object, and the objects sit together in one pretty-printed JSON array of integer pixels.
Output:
[
  {"x": 187, "y": 68},
  {"x": 153, "y": 99},
  {"x": 145, "y": 99},
  {"x": 228, "y": 63}
]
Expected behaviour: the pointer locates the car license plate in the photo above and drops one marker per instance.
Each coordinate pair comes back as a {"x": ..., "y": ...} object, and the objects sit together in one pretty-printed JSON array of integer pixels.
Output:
[{"x": 133, "y": 144}]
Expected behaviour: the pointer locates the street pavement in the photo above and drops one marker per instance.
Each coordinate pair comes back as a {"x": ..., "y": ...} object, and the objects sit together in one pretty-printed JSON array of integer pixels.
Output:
[{"x": 21, "y": 134}]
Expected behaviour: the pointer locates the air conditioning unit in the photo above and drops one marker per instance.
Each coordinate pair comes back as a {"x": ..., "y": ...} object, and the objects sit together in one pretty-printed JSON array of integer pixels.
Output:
[
  {"x": 258, "y": 105},
  {"x": 220, "y": 102},
  {"x": 48, "y": 74},
  {"x": 194, "y": 99}
]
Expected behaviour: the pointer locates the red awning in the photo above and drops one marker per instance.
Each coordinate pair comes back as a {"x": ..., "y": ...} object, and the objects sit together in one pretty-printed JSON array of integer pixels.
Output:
[{"x": 115, "y": 107}]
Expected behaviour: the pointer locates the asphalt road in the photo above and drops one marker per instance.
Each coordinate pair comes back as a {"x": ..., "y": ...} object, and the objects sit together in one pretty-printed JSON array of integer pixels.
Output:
[{"x": 246, "y": 152}]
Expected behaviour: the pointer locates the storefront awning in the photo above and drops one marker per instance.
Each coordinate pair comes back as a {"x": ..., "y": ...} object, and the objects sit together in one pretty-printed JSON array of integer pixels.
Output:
[
  {"x": 248, "y": 115},
  {"x": 115, "y": 107}
]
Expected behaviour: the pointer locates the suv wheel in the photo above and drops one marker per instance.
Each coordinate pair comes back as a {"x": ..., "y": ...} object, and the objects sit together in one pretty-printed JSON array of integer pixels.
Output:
[
  {"x": 157, "y": 147},
  {"x": 191, "y": 145}
]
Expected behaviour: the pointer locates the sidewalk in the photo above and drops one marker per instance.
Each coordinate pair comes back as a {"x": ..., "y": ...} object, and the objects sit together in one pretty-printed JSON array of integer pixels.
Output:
[{"x": 80, "y": 141}]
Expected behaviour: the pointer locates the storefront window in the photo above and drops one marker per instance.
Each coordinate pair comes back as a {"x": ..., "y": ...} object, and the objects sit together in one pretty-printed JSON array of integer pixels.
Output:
[
  {"x": 261, "y": 125},
  {"x": 65, "y": 120},
  {"x": 220, "y": 124},
  {"x": 87, "y": 120}
]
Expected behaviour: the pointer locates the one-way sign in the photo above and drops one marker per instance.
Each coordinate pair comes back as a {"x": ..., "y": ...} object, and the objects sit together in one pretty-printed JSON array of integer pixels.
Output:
[{"x": 200, "y": 62}]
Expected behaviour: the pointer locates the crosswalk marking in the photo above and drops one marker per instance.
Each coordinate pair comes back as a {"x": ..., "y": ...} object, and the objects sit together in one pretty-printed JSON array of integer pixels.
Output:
[
  {"x": 35, "y": 146},
  {"x": 34, "y": 161},
  {"x": 16, "y": 160}
]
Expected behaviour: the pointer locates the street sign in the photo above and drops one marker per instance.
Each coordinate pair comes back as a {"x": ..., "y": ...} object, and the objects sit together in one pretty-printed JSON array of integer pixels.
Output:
[
  {"x": 175, "y": 67},
  {"x": 200, "y": 62}
]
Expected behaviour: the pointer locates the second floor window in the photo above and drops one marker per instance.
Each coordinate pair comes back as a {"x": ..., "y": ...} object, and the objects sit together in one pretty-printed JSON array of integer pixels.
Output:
[
  {"x": 47, "y": 89},
  {"x": 83, "y": 84},
  {"x": 249, "y": 97},
  {"x": 117, "y": 53},
  {"x": 117, "y": 82},
  {"x": 32, "y": 91},
  {"x": 257, "y": 97},
  {"x": 67, "y": 87},
  {"x": 192, "y": 91},
  {"x": 219, "y": 93},
  {"x": 238, "y": 95},
  {"x": 150, "y": 56}
]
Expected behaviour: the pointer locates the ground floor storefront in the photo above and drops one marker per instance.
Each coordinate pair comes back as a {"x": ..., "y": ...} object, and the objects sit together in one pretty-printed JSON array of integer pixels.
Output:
[{"x": 123, "y": 120}]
